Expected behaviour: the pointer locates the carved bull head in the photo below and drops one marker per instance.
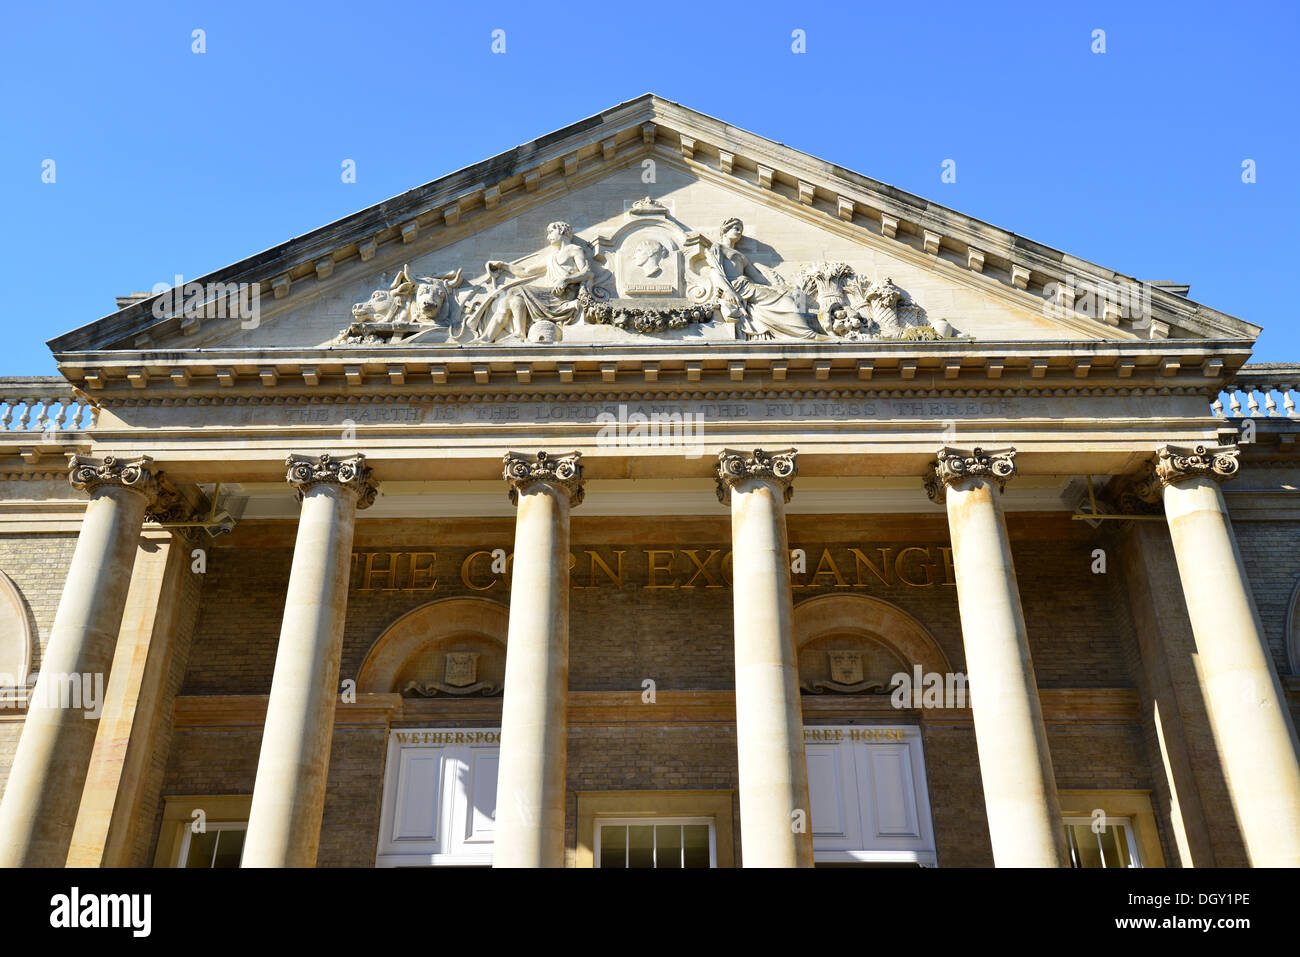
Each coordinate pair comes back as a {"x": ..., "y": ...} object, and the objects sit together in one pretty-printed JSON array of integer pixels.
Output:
[
  {"x": 375, "y": 309},
  {"x": 424, "y": 300},
  {"x": 433, "y": 297}
]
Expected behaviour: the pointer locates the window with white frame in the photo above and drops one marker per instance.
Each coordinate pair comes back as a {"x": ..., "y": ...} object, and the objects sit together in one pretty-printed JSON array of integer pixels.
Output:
[
  {"x": 1102, "y": 842},
  {"x": 676, "y": 842},
  {"x": 220, "y": 844}
]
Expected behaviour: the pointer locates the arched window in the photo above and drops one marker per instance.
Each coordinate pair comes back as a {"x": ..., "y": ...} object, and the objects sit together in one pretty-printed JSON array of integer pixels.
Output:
[{"x": 15, "y": 640}]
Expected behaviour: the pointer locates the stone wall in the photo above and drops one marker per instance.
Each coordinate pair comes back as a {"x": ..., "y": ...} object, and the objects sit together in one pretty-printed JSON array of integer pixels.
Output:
[{"x": 1271, "y": 553}]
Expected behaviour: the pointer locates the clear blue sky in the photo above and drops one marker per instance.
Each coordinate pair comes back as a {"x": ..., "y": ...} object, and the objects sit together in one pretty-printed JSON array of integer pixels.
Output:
[{"x": 168, "y": 161}]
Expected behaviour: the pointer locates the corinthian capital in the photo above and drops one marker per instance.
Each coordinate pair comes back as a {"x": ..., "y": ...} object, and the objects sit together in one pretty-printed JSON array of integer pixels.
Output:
[
  {"x": 1174, "y": 464},
  {"x": 953, "y": 465},
  {"x": 560, "y": 471},
  {"x": 89, "y": 474},
  {"x": 347, "y": 471},
  {"x": 735, "y": 467}
]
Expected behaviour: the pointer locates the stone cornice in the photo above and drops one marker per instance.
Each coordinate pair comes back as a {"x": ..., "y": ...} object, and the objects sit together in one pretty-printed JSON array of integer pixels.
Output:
[
  {"x": 954, "y": 465},
  {"x": 348, "y": 472},
  {"x": 1061, "y": 367},
  {"x": 734, "y": 468},
  {"x": 563, "y": 472}
]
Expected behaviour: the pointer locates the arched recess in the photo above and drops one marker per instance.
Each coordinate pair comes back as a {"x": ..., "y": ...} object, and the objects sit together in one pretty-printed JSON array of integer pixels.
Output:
[
  {"x": 414, "y": 648},
  {"x": 15, "y": 636},
  {"x": 886, "y": 638},
  {"x": 1293, "y": 629}
]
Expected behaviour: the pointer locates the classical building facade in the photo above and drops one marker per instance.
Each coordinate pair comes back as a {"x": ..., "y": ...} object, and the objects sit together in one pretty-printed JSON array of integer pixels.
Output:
[{"x": 653, "y": 494}]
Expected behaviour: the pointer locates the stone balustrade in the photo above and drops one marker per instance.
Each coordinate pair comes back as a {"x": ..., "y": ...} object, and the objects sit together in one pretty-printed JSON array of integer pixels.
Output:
[
  {"x": 32, "y": 404},
  {"x": 1269, "y": 390}
]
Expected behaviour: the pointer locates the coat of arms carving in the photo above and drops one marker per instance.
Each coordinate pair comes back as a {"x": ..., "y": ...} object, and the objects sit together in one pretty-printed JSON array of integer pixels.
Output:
[
  {"x": 848, "y": 676},
  {"x": 460, "y": 677},
  {"x": 846, "y": 666},
  {"x": 462, "y": 668}
]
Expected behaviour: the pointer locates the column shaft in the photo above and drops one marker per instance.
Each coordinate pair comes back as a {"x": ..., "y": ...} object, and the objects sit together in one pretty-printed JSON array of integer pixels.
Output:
[
  {"x": 39, "y": 809},
  {"x": 1024, "y": 814},
  {"x": 1254, "y": 733},
  {"x": 121, "y": 783},
  {"x": 534, "y": 711},
  {"x": 775, "y": 811},
  {"x": 289, "y": 790}
]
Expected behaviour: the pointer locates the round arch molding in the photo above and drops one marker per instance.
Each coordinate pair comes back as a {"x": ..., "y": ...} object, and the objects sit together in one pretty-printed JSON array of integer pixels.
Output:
[
  {"x": 868, "y": 622},
  {"x": 16, "y": 637},
  {"x": 408, "y": 648},
  {"x": 1293, "y": 629}
]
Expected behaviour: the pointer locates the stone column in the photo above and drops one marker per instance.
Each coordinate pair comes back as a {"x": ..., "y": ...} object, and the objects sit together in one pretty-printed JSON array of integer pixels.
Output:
[
  {"x": 123, "y": 781},
  {"x": 45, "y": 783},
  {"x": 775, "y": 813},
  {"x": 1024, "y": 814},
  {"x": 534, "y": 710},
  {"x": 289, "y": 790},
  {"x": 1190, "y": 787},
  {"x": 1248, "y": 713}
]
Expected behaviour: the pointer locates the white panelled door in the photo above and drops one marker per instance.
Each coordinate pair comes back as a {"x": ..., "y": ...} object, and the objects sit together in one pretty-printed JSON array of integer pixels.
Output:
[
  {"x": 440, "y": 797},
  {"x": 870, "y": 802}
]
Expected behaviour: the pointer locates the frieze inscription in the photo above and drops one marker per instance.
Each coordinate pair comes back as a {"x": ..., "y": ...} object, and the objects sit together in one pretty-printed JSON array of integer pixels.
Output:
[
  {"x": 667, "y": 567},
  {"x": 578, "y": 412}
]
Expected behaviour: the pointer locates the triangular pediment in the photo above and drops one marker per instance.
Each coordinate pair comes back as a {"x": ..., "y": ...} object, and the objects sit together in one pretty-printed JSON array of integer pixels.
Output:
[{"x": 825, "y": 255}]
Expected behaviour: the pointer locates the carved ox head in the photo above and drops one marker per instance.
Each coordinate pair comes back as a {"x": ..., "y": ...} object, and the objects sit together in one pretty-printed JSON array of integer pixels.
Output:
[
  {"x": 433, "y": 299},
  {"x": 424, "y": 300},
  {"x": 375, "y": 308}
]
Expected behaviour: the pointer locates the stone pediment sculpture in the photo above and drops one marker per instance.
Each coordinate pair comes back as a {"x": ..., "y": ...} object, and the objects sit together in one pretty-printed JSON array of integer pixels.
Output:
[
  {"x": 405, "y": 309},
  {"x": 652, "y": 278},
  {"x": 531, "y": 302}
]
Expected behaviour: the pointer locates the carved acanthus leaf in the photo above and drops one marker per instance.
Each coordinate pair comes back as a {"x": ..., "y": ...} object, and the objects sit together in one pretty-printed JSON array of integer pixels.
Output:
[
  {"x": 953, "y": 465},
  {"x": 561, "y": 471},
  {"x": 137, "y": 474},
  {"x": 349, "y": 472},
  {"x": 1174, "y": 464},
  {"x": 734, "y": 468}
]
